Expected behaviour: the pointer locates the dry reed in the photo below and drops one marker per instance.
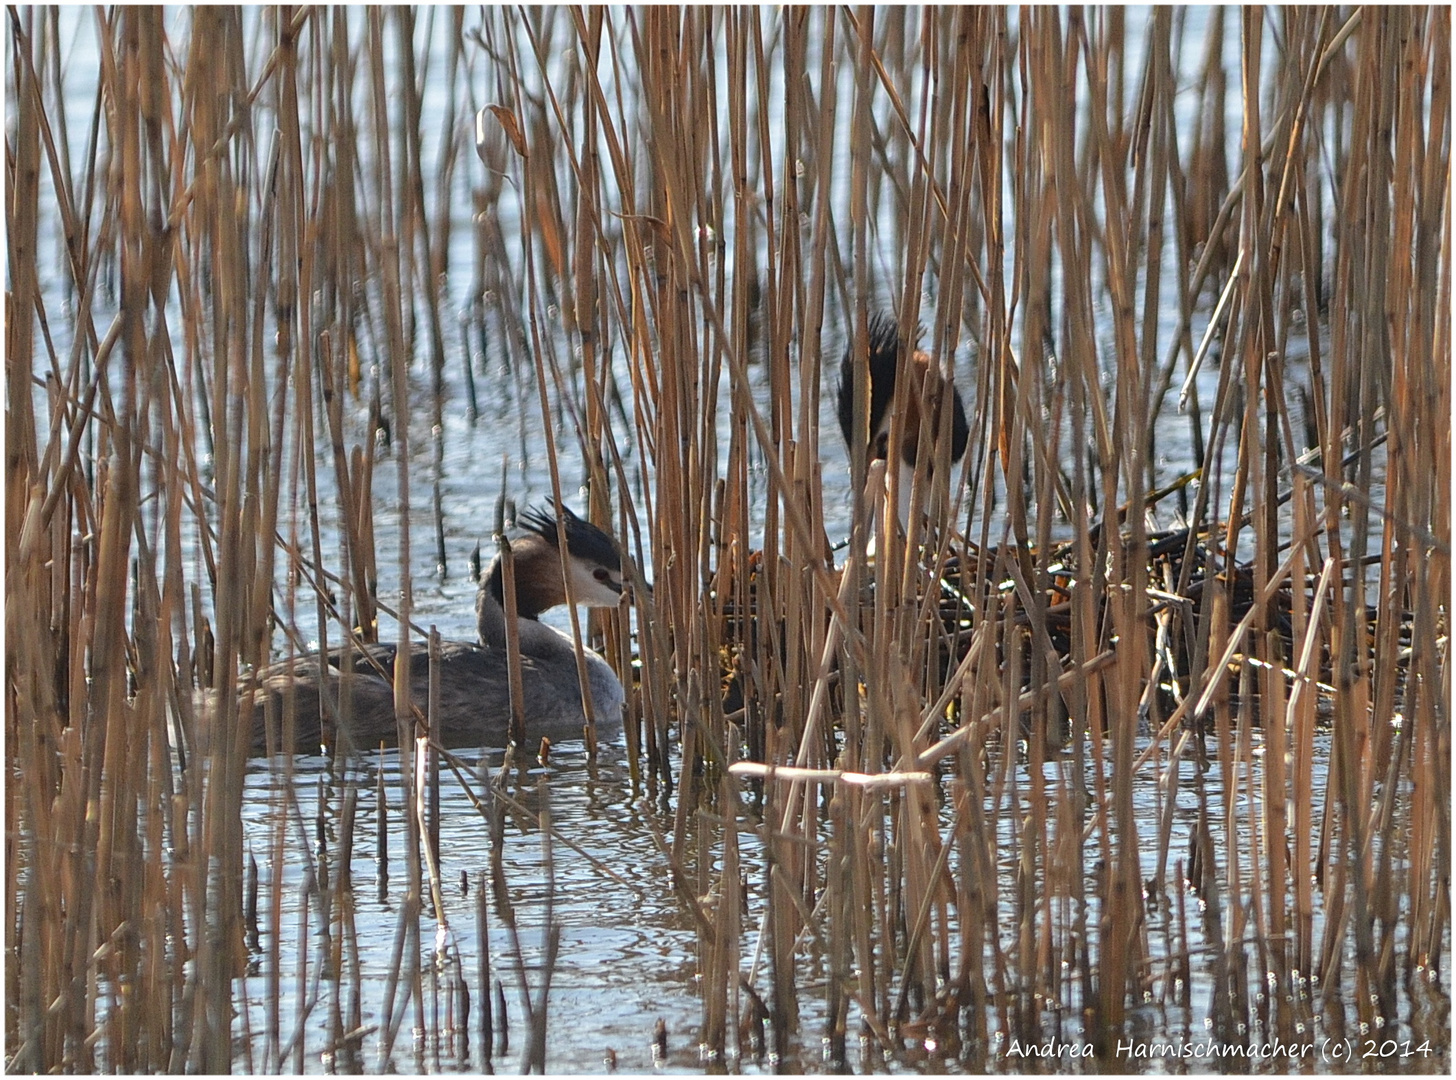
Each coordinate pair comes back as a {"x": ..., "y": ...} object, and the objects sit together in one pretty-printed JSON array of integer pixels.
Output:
[{"x": 1114, "y": 621}]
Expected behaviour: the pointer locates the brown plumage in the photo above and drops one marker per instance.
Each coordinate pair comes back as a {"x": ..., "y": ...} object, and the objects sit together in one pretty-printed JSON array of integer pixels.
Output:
[{"x": 928, "y": 389}]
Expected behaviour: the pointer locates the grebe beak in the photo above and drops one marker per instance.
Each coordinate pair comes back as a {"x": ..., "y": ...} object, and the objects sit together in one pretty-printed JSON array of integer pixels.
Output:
[{"x": 641, "y": 586}]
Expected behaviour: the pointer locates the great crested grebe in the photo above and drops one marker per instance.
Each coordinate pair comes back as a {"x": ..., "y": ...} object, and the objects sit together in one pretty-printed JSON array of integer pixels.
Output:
[
  {"x": 930, "y": 389},
  {"x": 474, "y": 702}
]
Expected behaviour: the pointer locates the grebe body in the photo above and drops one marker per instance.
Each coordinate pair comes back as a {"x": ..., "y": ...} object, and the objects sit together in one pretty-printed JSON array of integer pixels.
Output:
[{"x": 473, "y": 708}]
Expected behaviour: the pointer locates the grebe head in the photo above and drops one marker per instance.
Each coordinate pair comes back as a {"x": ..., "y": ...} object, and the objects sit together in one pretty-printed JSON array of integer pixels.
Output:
[
  {"x": 591, "y": 562},
  {"x": 929, "y": 387},
  {"x": 929, "y": 390}
]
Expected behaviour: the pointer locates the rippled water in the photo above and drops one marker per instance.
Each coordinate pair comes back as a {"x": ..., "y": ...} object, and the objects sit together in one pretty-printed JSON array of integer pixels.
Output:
[
  {"x": 626, "y": 952},
  {"x": 627, "y": 949}
]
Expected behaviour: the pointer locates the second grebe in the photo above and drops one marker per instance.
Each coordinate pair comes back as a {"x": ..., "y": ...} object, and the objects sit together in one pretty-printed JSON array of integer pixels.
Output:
[
  {"x": 474, "y": 702},
  {"x": 929, "y": 389}
]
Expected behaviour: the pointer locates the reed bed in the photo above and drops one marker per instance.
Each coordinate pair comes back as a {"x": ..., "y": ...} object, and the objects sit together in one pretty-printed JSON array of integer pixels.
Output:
[{"x": 1138, "y": 735}]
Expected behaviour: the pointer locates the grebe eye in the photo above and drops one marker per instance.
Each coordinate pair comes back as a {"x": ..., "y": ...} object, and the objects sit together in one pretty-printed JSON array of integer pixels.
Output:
[{"x": 600, "y": 574}]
